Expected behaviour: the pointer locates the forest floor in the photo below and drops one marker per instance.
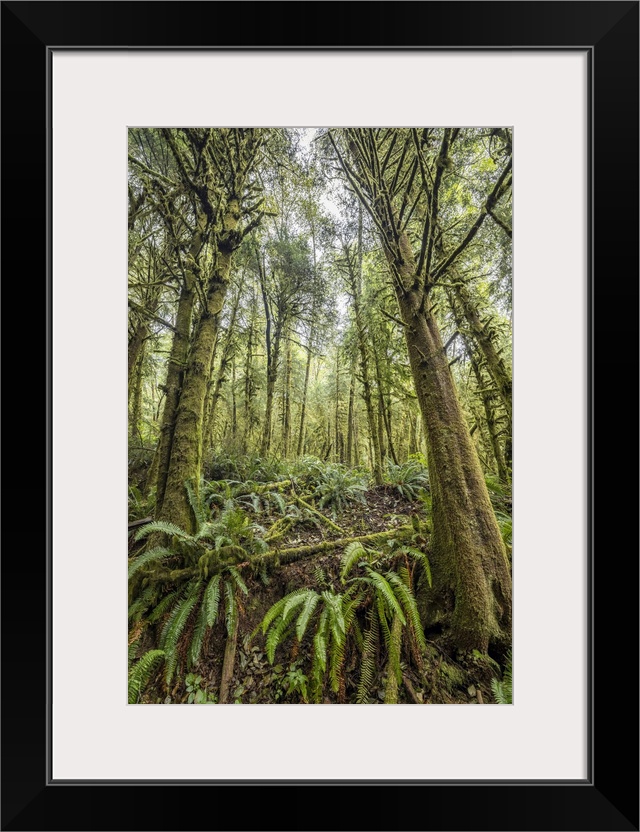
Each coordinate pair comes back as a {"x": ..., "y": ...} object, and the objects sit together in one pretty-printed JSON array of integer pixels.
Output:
[{"x": 444, "y": 677}]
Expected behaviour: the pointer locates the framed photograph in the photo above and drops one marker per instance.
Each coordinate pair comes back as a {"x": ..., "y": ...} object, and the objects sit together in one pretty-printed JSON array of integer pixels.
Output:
[{"x": 541, "y": 101}]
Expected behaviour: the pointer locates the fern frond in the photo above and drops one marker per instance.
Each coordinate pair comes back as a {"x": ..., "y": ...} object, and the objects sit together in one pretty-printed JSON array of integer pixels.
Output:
[
  {"x": 198, "y": 634},
  {"x": 142, "y": 603},
  {"x": 164, "y": 527},
  {"x": 172, "y": 635},
  {"x": 162, "y": 606},
  {"x": 310, "y": 603},
  {"x": 237, "y": 579},
  {"x": 383, "y": 589},
  {"x": 320, "y": 641},
  {"x": 394, "y": 670},
  {"x": 294, "y": 599},
  {"x": 422, "y": 559},
  {"x": 368, "y": 666},
  {"x": 410, "y": 607},
  {"x": 195, "y": 503},
  {"x": 353, "y": 553},
  {"x": 211, "y": 600},
  {"x": 274, "y": 611},
  {"x": 275, "y": 636},
  {"x": 141, "y": 672},
  {"x": 131, "y": 653},
  {"x": 382, "y": 618},
  {"x": 336, "y": 617},
  {"x": 503, "y": 690},
  {"x": 158, "y": 553}
]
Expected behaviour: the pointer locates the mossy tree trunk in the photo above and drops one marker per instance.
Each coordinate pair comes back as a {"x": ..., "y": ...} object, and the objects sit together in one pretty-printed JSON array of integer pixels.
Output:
[
  {"x": 482, "y": 335},
  {"x": 225, "y": 359},
  {"x": 172, "y": 386},
  {"x": 221, "y": 192},
  {"x": 469, "y": 557},
  {"x": 468, "y": 552}
]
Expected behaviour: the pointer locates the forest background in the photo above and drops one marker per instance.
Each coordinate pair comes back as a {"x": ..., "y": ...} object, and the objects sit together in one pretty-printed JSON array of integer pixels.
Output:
[{"x": 320, "y": 361}]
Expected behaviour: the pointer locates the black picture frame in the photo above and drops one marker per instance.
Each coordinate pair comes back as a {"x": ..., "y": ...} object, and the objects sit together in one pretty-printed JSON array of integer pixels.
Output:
[{"x": 608, "y": 799}]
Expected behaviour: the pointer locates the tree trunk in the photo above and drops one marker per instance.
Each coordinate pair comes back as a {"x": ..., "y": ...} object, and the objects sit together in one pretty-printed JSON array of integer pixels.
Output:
[
  {"x": 350, "y": 415},
  {"x": 248, "y": 383},
  {"x": 234, "y": 410},
  {"x": 468, "y": 551},
  {"x": 303, "y": 406},
  {"x": 136, "y": 344},
  {"x": 482, "y": 335},
  {"x": 136, "y": 402},
  {"x": 229, "y": 661},
  {"x": 186, "y": 451},
  {"x": 376, "y": 458},
  {"x": 221, "y": 375},
  {"x": 272, "y": 377},
  {"x": 286, "y": 410},
  {"x": 173, "y": 385},
  {"x": 490, "y": 420}
]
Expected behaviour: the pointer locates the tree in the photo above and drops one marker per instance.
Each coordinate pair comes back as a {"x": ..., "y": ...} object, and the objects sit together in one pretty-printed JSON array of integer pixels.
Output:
[{"x": 391, "y": 172}]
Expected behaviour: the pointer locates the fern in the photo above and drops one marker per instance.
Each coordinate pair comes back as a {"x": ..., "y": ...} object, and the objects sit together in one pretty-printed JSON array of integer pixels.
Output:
[
  {"x": 409, "y": 606},
  {"x": 383, "y": 588},
  {"x": 198, "y": 635},
  {"x": 211, "y": 600},
  {"x": 310, "y": 603},
  {"x": 320, "y": 641},
  {"x": 503, "y": 690},
  {"x": 141, "y": 672},
  {"x": 176, "y": 625},
  {"x": 274, "y": 611},
  {"x": 163, "y": 527},
  {"x": 161, "y": 607},
  {"x": 333, "y": 603},
  {"x": 157, "y": 553},
  {"x": 368, "y": 666},
  {"x": 276, "y": 635},
  {"x": 353, "y": 553},
  {"x": 237, "y": 579},
  {"x": 350, "y": 608},
  {"x": 294, "y": 600},
  {"x": 394, "y": 670},
  {"x": 422, "y": 559},
  {"x": 196, "y": 504},
  {"x": 142, "y": 604}
]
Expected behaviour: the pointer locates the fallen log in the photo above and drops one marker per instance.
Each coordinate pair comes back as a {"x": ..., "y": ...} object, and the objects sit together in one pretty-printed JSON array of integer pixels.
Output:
[
  {"x": 134, "y": 524},
  {"x": 299, "y": 552}
]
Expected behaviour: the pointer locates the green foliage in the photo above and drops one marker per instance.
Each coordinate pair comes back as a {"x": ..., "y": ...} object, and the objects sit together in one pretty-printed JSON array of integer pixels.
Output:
[
  {"x": 378, "y": 595},
  {"x": 189, "y": 611},
  {"x": 293, "y": 614},
  {"x": 158, "y": 553},
  {"x": 408, "y": 479},
  {"x": 140, "y": 506},
  {"x": 196, "y": 693},
  {"x": 296, "y": 683},
  {"x": 392, "y": 609},
  {"x": 339, "y": 486},
  {"x": 141, "y": 672},
  {"x": 503, "y": 688},
  {"x": 506, "y": 527}
]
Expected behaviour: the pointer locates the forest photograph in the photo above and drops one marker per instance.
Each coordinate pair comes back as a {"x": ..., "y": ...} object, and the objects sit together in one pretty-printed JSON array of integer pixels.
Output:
[{"x": 320, "y": 415}]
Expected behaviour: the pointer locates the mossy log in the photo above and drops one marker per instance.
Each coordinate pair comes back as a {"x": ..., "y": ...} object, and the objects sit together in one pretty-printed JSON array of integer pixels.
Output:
[{"x": 300, "y": 552}]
